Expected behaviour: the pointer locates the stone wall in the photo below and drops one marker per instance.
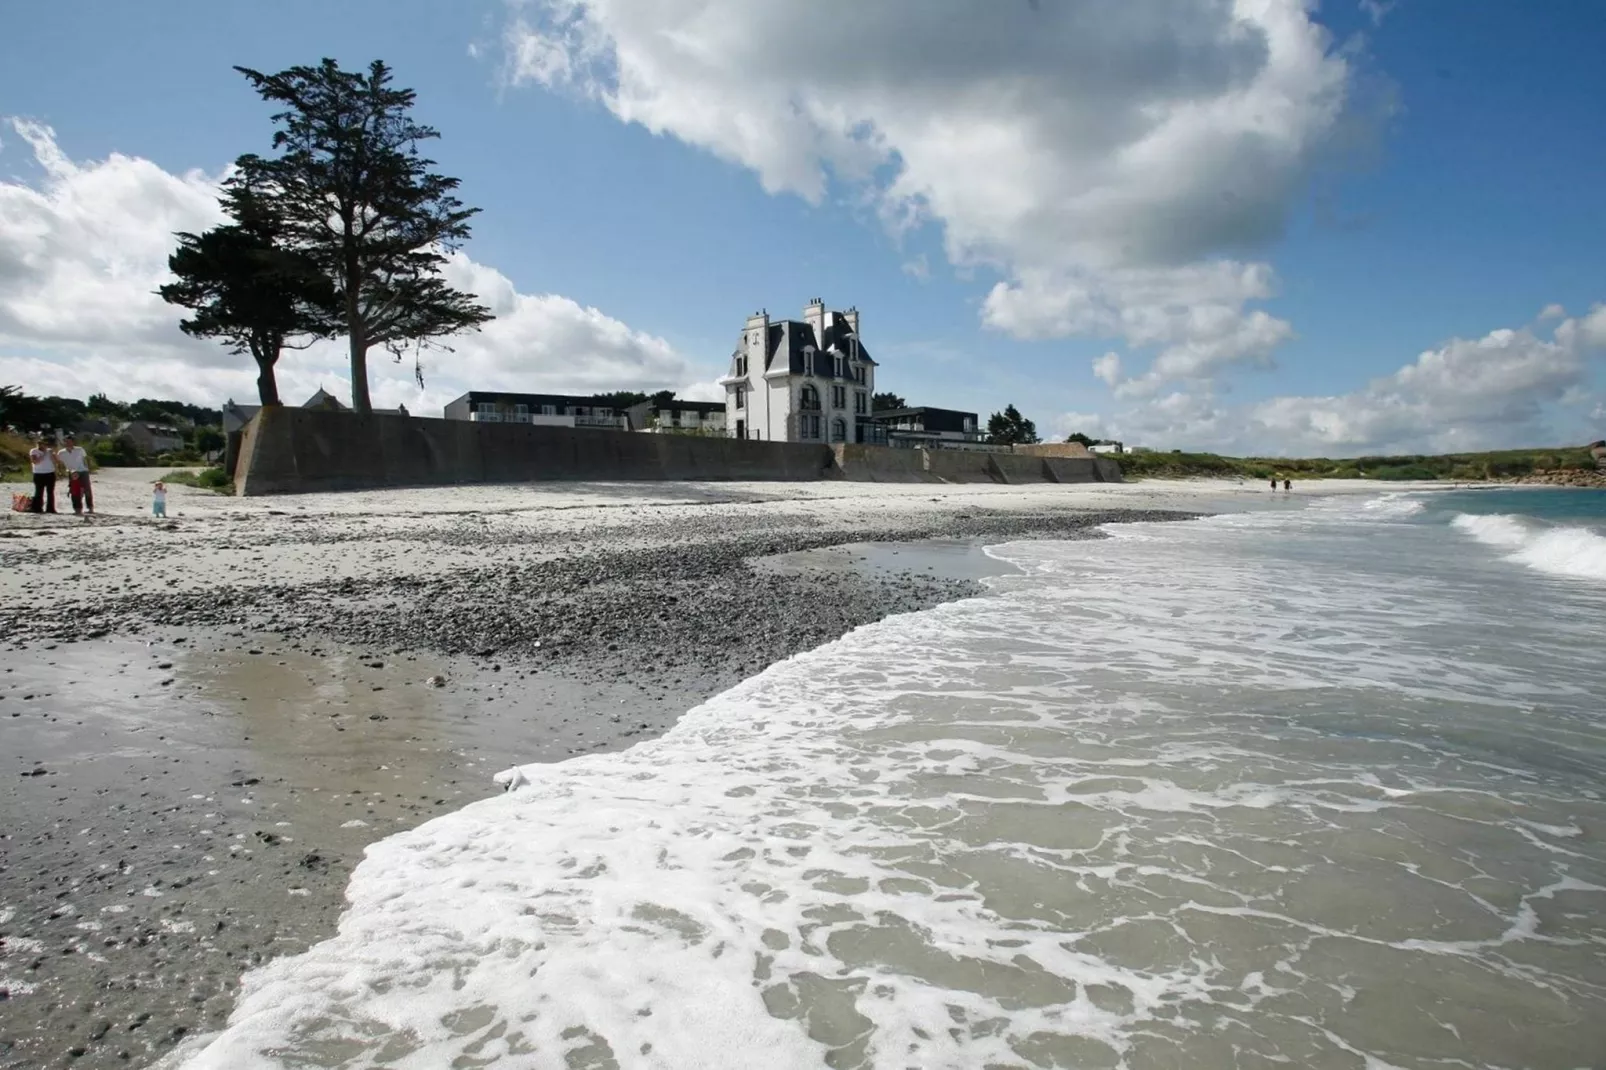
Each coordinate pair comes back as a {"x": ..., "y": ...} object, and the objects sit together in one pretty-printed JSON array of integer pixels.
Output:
[{"x": 289, "y": 450}]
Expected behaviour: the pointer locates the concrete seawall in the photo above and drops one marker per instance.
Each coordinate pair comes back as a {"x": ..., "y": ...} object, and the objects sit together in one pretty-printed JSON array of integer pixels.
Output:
[
  {"x": 880, "y": 464},
  {"x": 290, "y": 451}
]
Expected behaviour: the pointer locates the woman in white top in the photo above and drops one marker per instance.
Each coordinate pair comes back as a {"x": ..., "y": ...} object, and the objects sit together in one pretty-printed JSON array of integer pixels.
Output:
[
  {"x": 70, "y": 458},
  {"x": 44, "y": 476}
]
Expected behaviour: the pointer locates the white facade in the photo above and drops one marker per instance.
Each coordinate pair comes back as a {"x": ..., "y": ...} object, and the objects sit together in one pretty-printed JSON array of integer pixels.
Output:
[
  {"x": 684, "y": 420},
  {"x": 535, "y": 418},
  {"x": 807, "y": 380},
  {"x": 1106, "y": 448}
]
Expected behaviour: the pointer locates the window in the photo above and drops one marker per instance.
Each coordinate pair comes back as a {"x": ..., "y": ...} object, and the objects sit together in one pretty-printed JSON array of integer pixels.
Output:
[
  {"x": 839, "y": 397},
  {"x": 809, "y": 400},
  {"x": 521, "y": 410},
  {"x": 808, "y": 425},
  {"x": 839, "y": 430},
  {"x": 861, "y": 403},
  {"x": 839, "y": 366},
  {"x": 970, "y": 424},
  {"x": 808, "y": 360},
  {"x": 549, "y": 410},
  {"x": 741, "y": 367},
  {"x": 858, "y": 372},
  {"x": 741, "y": 397}
]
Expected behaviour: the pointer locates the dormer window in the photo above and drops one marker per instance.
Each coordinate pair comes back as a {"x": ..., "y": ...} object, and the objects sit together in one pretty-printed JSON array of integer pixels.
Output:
[
  {"x": 839, "y": 374},
  {"x": 808, "y": 360}
]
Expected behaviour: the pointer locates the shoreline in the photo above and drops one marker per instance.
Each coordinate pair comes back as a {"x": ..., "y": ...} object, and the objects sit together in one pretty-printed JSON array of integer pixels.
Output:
[
  {"x": 216, "y": 755},
  {"x": 197, "y": 768}
]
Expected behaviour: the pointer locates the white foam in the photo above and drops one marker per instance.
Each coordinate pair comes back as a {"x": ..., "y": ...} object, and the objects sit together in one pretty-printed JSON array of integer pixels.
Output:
[
  {"x": 1560, "y": 551},
  {"x": 1394, "y": 505},
  {"x": 1074, "y": 818}
]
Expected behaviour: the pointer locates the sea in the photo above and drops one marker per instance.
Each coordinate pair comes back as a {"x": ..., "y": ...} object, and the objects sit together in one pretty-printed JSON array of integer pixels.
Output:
[{"x": 1313, "y": 786}]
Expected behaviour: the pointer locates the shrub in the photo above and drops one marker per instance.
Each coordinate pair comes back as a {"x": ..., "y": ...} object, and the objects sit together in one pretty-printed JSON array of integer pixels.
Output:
[
  {"x": 206, "y": 479},
  {"x": 115, "y": 453}
]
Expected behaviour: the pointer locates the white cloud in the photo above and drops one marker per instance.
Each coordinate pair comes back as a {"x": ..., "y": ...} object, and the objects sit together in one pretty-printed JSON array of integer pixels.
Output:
[
  {"x": 918, "y": 267},
  {"x": 1090, "y": 424},
  {"x": 706, "y": 391},
  {"x": 1108, "y": 368},
  {"x": 1377, "y": 10},
  {"x": 1114, "y": 161},
  {"x": 1507, "y": 388},
  {"x": 83, "y": 249}
]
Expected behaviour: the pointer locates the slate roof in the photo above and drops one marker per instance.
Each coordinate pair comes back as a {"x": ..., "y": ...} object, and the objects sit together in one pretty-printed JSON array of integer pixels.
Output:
[
  {"x": 931, "y": 419},
  {"x": 788, "y": 339}
]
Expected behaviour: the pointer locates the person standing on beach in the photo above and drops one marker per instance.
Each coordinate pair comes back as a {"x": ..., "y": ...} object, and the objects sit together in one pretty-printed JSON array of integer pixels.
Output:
[
  {"x": 1288, "y": 484},
  {"x": 1273, "y": 482},
  {"x": 71, "y": 458},
  {"x": 159, "y": 499},
  {"x": 43, "y": 460}
]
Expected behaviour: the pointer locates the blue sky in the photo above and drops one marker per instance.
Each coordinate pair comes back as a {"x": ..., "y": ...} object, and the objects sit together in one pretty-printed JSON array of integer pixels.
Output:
[{"x": 1356, "y": 258}]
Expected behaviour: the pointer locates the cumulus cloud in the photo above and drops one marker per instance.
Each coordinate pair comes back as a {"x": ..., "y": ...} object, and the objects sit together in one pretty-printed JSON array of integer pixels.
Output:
[
  {"x": 1511, "y": 387},
  {"x": 1107, "y": 368},
  {"x": 1090, "y": 424},
  {"x": 84, "y": 246},
  {"x": 1478, "y": 393},
  {"x": 1117, "y": 163}
]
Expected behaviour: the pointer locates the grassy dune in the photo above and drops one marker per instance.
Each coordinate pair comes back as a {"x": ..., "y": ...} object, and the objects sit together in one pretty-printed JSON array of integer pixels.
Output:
[{"x": 1458, "y": 467}]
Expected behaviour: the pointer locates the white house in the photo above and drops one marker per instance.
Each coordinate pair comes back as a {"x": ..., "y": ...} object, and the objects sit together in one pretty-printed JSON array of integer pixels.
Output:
[
  {"x": 807, "y": 380},
  {"x": 1106, "y": 448},
  {"x": 678, "y": 417},
  {"x": 546, "y": 410}
]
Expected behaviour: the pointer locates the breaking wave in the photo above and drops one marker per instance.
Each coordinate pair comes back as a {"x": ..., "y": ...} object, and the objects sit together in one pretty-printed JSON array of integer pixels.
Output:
[{"x": 1559, "y": 551}]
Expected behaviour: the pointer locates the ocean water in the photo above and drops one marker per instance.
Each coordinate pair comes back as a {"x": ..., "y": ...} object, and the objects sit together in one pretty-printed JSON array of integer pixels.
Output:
[
  {"x": 1562, "y": 532},
  {"x": 1317, "y": 788}
]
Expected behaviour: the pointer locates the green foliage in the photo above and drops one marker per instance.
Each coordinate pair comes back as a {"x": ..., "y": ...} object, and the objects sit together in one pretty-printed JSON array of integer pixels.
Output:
[
  {"x": 620, "y": 400},
  {"x": 1009, "y": 428},
  {"x": 1079, "y": 437},
  {"x": 887, "y": 401},
  {"x": 115, "y": 453},
  {"x": 14, "y": 454},
  {"x": 352, "y": 192},
  {"x": 207, "y": 439},
  {"x": 1461, "y": 467},
  {"x": 30, "y": 415},
  {"x": 247, "y": 286},
  {"x": 662, "y": 398},
  {"x": 102, "y": 407},
  {"x": 1402, "y": 471},
  {"x": 206, "y": 479}
]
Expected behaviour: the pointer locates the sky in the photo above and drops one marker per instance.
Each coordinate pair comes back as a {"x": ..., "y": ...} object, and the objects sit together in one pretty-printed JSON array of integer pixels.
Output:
[{"x": 1253, "y": 226}]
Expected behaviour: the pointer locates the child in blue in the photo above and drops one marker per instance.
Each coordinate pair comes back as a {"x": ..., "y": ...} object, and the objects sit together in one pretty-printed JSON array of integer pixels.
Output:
[{"x": 159, "y": 499}]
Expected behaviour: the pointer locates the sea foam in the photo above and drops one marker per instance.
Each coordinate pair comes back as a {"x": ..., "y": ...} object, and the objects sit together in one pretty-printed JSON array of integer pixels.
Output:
[
  {"x": 1202, "y": 794},
  {"x": 1560, "y": 551}
]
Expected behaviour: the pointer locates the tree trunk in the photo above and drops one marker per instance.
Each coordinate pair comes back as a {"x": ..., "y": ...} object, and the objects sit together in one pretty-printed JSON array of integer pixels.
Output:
[
  {"x": 356, "y": 328},
  {"x": 359, "y": 373},
  {"x": 266, "y": 355}
]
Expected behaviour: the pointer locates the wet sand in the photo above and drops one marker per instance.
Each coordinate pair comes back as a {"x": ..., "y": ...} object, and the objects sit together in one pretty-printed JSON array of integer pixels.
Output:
[
  {"x": 178, "y": 811},
  {"x": 214, "y": 716}
]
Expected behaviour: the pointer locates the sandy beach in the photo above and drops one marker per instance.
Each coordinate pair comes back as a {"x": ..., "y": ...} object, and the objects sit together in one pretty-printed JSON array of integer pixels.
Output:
[{"x": 210, "y": 717}]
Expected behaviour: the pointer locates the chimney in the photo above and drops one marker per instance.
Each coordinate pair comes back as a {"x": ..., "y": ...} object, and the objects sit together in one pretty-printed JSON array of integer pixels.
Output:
[
  {"x": 852, "y": 316},
  {"x": 814, "y": 316}
]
